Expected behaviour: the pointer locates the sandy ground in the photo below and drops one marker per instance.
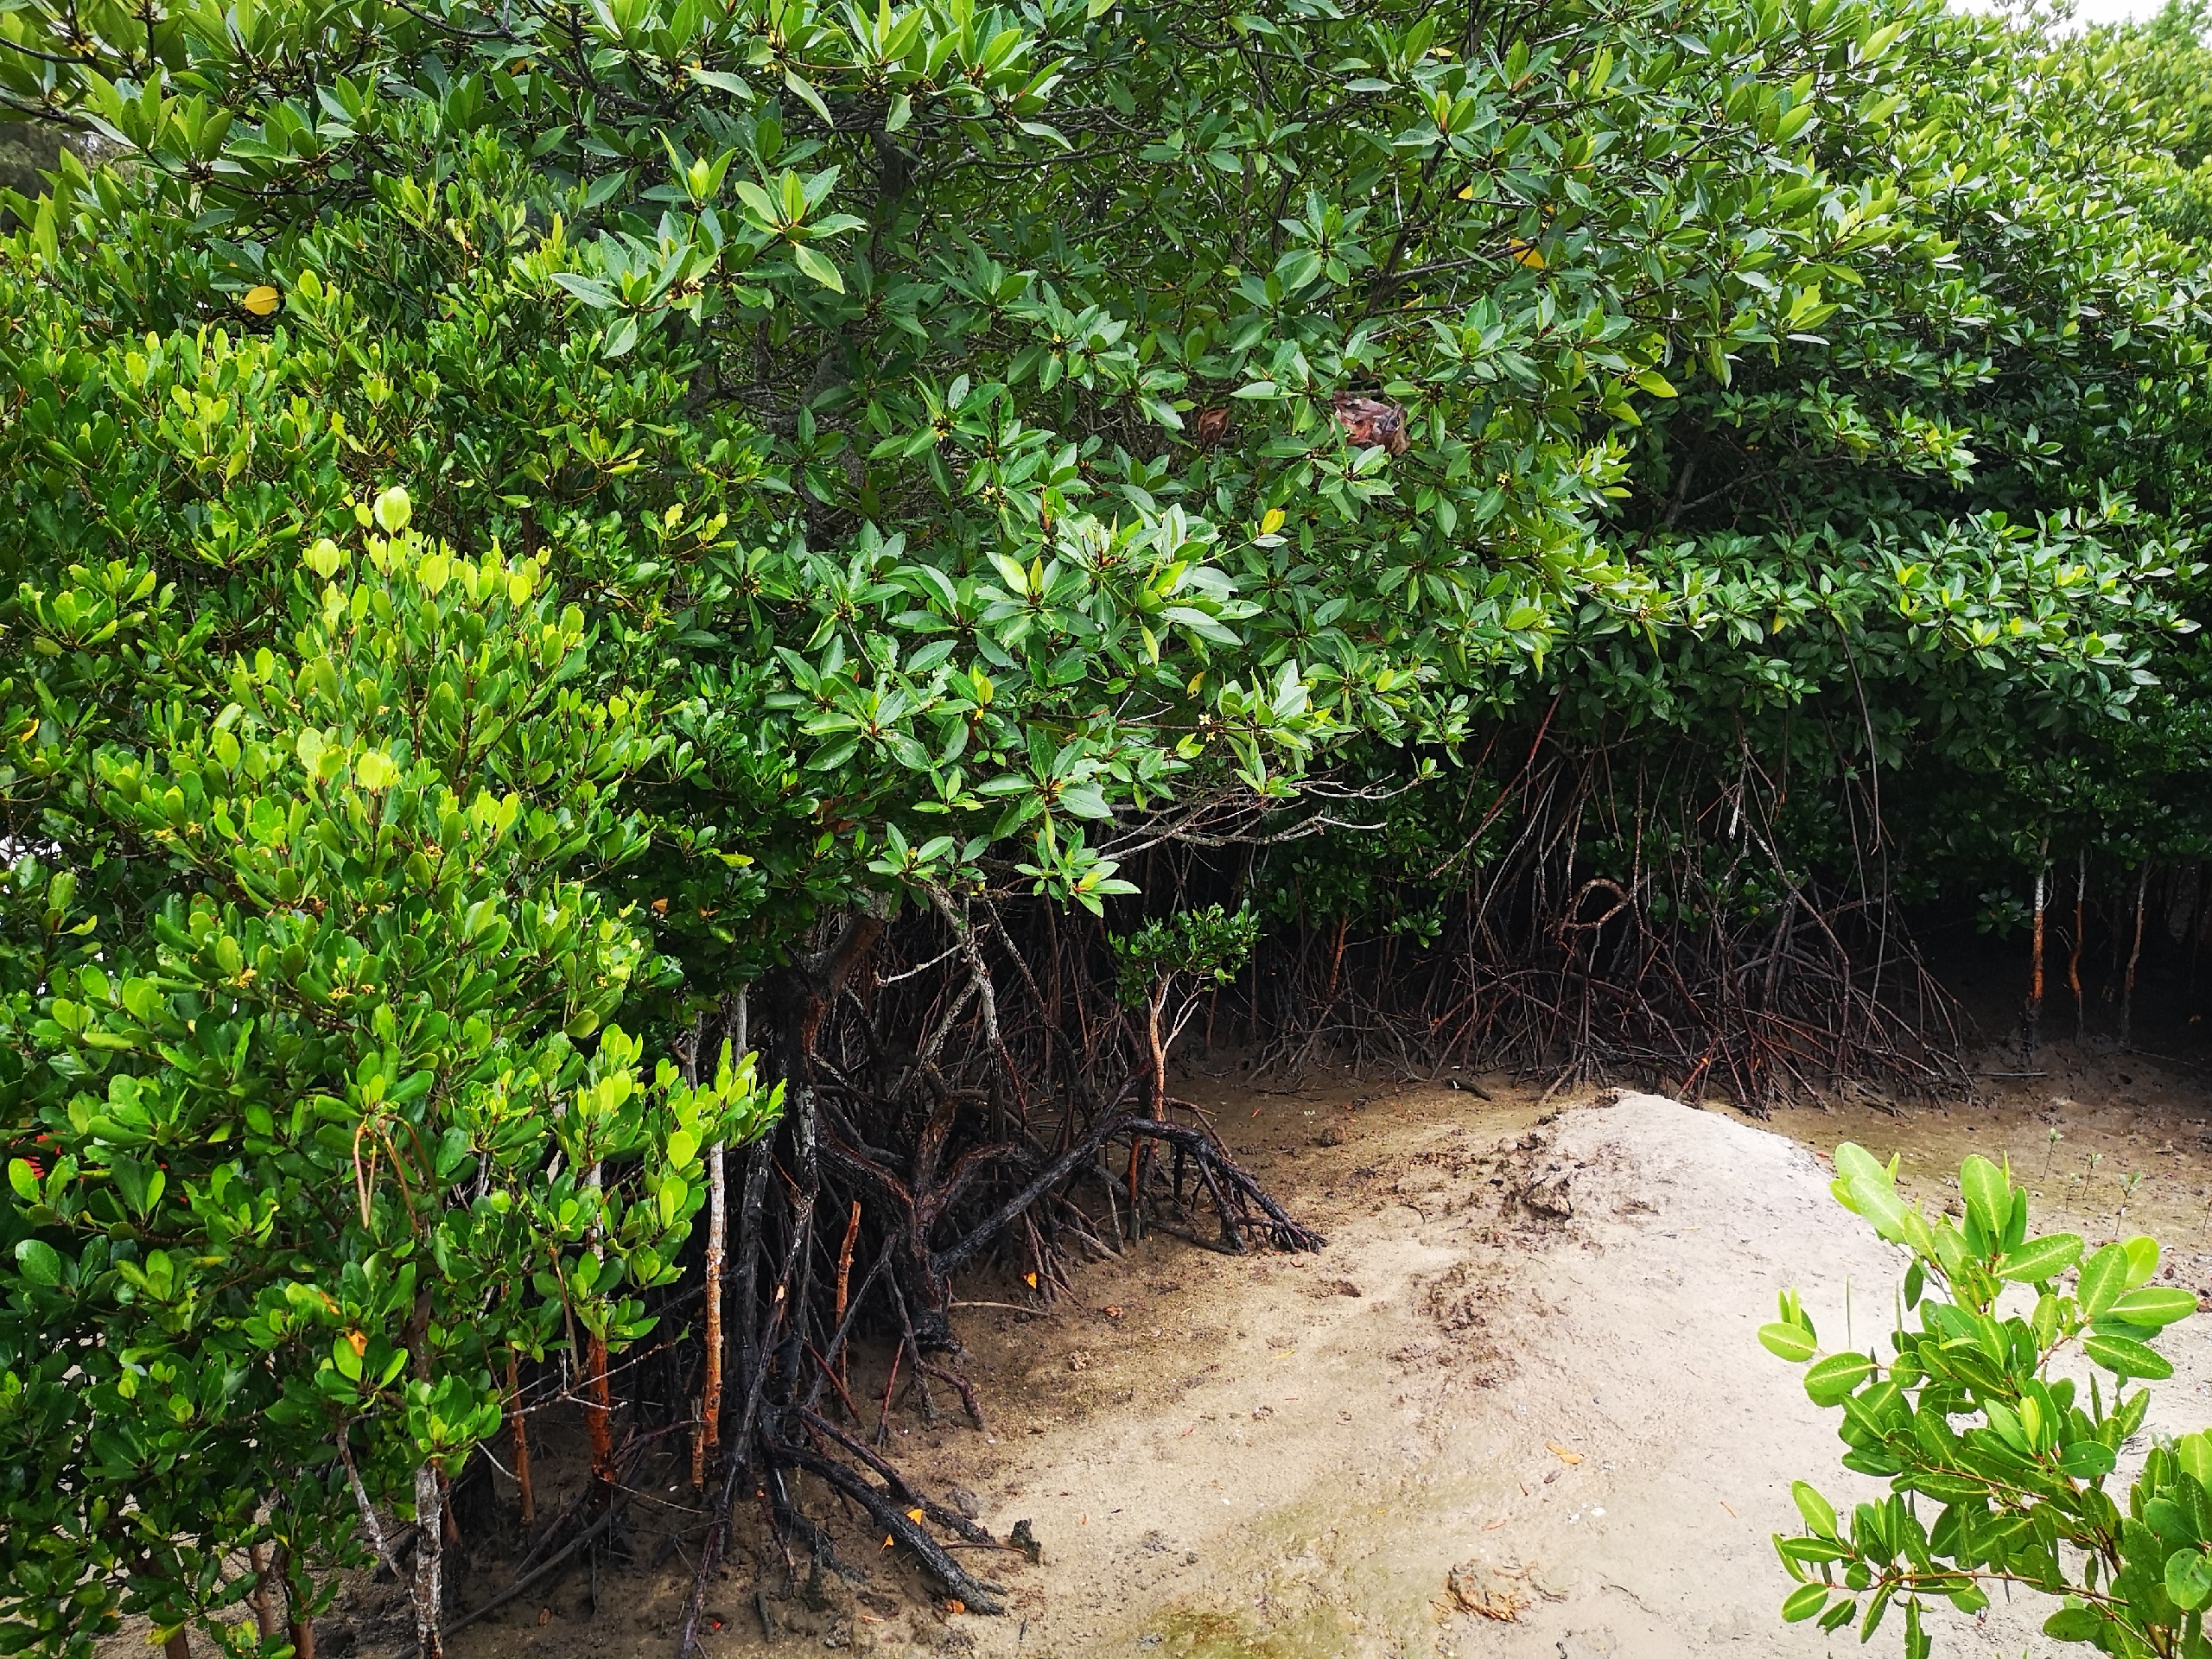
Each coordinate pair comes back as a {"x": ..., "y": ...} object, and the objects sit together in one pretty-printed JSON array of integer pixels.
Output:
[{"x": 1557, "y": 1407}]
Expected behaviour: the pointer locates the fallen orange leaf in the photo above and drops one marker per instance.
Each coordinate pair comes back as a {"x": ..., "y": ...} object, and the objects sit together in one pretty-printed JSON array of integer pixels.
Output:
[{"x": 1570, "y": 1458}]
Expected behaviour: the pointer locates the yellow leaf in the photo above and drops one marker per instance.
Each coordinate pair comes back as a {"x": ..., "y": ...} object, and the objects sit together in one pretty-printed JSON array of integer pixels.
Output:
[
  {"x": 1030, "y": 1279},
  {"x": 260, "y": 300},
  {"x": 1570, "y": 1458},
  {"x": 374, "y": 769},
  {"x": 1527, "y": 254},
  {"x": 1196, "y": 680},
  {"x": 914, "y": 1515},
  {"x": 1467, "y": 194},
  {"x": 360, "y": 1342},
  {"x": 1271, "y": 521}
]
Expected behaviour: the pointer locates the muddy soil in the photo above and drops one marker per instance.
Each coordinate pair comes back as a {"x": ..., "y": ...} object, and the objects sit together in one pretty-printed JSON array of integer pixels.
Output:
[{"x": 1515, "y": 1407}]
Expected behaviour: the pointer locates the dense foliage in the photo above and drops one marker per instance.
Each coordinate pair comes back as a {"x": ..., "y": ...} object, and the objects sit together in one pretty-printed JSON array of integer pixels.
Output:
[{"x": 523, "y": 521}]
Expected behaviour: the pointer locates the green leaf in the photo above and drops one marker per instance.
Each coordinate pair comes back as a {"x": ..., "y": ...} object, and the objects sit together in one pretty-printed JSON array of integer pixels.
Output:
[
  {"x": 1988, "y": 1195},
  {"x": 805, "y": 89},
  {"x": 40, "y": 1261},
  {"x": 595, "y": 294},
  {"x": 2040, "y": 1258},
  {"x": 1820, "y": 1515},
  {"x": 2085, "y": 1460},
  {"x": 2104, "y": 1276},
  {"x": 2194, "y": 1453},
  {"x": 1804, "y": 1602},
  {"x": 818, "y": 267},
  {"x": 2074, "y": 1624},
  {"x": 2155, "y": 1305},
  {"x": 2142, "y": 1260},
  {"x": 1833, "y": 1379},
  {"x": 2126, "y": 1357},
  {"x": 723, "y": 81},
  {"x": 1866, "y": 1188},
  {"x": 2189, "y": 1578},
  {"x": 1791, "y": 1342}
]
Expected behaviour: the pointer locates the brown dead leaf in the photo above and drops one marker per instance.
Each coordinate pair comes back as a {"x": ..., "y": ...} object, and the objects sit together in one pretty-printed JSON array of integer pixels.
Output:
[{"x": 1370, "y": 421}]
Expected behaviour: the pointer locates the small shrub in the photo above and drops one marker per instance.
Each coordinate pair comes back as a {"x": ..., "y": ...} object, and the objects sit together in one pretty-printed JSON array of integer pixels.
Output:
[{"x": 1972, "y": 1426}]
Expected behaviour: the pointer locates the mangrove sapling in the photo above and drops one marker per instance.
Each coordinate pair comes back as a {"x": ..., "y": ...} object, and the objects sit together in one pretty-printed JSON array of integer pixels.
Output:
[
  {"x": 2018, "y": 1490},
  {"x": 1182, "y": 953}
]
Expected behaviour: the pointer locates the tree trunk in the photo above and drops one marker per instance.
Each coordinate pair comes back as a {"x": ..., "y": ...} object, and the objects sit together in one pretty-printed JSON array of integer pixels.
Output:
[
  {"x": 265, "y": 1596},
  {"x": 845, "y": 1277},
  {"x": 704, "y": 1442},
  {"x": 429, "y": 1587},
  {"x": 599, "y": 1407},
  {"x": 179, "y": 1646},
  {"x": 2074, "y": 957},
  {"x": 2134, "y": 955},
  {"x": 521, "y": 1441},
  {"x": 599, "y": 1404},
  {"x": 2032, "y": 1024}
]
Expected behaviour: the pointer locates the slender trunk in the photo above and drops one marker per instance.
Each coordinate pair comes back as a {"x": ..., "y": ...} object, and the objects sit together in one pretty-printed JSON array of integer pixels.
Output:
[
  {"x": 2074, "y": 956},
  {"x": 750, "y": 1333},
  {"x": 599, "y": 1404},
  {"x": 522, "y": 1441},
  {"x": 370, "y": 1524},
  {"x": 264, "y": 1596},
  {"x": 705, "y": 1442},
  {"x": 179, "y": 1646},
  {"x": 429, "y": 1562},
  {"x": 710, "y": 1398},
  {"x": 599, "y": 1407},
  {"x": 1159, "y": 1054},
  {"x": 845, "y": 1277},
  {"x": 297, "y": 1625},
  {"x": 2032, "y": 1025},
  {"x": 2134, "y": 955}
]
